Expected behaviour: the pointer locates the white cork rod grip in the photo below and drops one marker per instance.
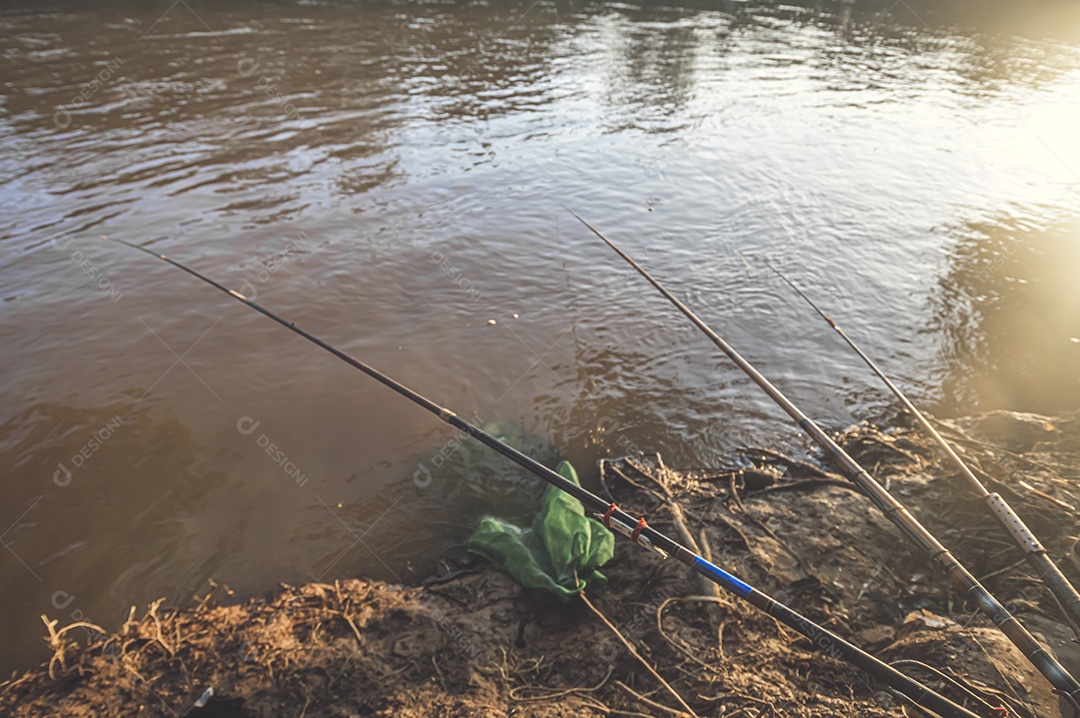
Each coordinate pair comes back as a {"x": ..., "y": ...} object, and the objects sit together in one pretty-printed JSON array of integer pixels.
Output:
[{"x": 1015, "y": 526}]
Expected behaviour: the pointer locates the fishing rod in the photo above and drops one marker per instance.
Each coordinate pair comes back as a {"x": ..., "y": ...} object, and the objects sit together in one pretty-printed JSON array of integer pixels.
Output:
[
  {"x": 1034, "y": 551},
  {"x": 1063, "y": 682},
  {"x": 636, "y": 529}
]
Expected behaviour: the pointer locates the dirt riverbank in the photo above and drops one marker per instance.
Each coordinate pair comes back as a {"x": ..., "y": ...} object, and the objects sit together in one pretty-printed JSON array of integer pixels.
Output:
[{"x": 472, "y": 643}]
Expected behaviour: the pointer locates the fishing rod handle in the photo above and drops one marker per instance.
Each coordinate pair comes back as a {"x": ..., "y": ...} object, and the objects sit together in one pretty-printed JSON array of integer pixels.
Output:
[
  {"x": 1013, "y": 524},
  {"x": 1038, "y": 557}
]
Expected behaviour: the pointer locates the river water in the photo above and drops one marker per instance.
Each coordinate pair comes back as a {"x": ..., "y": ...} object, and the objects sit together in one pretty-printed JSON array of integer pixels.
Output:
[{"x": 394, "y": 178}]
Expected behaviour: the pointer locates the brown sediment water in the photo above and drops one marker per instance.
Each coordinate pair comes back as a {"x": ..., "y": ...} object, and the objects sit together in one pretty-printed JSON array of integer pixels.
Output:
[{"x": 391, "y": 176}]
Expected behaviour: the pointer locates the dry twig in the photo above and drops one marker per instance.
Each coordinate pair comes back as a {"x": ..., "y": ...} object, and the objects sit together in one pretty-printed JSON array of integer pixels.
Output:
[{"x": 634, "y": 652}]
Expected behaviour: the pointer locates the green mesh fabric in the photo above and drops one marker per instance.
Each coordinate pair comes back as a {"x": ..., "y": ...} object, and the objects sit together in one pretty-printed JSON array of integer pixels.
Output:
[{"x": 561, "y": 541}]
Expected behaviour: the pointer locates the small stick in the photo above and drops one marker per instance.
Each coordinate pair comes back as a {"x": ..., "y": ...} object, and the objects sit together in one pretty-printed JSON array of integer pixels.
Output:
[
  {"x": 561, "y": 693},
  {"x": 1006, "y": 569},
  {"x": 680, "y": 645},
  {"x": 1046, "y": 496},
  {"x": 638, "y": 656},
  {"x": 651, "y": 704}
]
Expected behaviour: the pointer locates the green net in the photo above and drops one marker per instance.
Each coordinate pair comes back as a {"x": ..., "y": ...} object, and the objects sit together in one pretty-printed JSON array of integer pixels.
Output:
[{"x": 562, "y": 541}]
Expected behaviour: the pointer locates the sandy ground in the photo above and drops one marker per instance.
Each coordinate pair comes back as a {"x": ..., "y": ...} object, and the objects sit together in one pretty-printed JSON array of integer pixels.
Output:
[{"x": 472, "y": 643}]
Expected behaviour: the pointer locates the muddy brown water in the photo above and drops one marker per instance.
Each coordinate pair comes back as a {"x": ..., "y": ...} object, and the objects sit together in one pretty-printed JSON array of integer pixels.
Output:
[{"x": 392, "y": 177}]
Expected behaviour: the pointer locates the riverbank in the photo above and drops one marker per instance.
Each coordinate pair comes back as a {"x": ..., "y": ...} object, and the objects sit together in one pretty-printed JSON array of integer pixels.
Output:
[{"x": 473, "y": 643}]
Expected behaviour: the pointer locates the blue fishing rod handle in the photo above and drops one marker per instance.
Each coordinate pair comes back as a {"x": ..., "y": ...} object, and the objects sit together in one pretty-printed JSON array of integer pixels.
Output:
[{"x": 729, "y": 581}]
